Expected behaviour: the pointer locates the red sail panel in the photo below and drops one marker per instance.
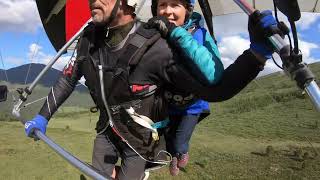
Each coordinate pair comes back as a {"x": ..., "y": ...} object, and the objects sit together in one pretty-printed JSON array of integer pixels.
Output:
[{"x": 77, "y": 13}]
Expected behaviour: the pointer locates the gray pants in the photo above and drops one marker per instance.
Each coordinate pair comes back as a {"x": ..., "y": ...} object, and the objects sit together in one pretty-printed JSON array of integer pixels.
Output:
[{"x": 108, "y": 147}]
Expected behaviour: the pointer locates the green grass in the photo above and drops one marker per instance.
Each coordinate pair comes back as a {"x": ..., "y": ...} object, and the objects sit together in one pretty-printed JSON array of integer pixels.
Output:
[{"x": 269, "y": 131}]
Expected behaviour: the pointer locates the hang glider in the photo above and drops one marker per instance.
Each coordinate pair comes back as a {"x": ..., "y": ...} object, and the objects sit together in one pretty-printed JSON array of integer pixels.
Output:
[
  {"x": 63, "y": 18},
  {"x": 63, "y": 21}
]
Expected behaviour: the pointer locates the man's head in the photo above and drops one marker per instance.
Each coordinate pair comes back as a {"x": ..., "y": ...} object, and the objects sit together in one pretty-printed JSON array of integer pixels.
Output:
[
  {"x": 114, "y": 12},
  {"x": 177, "y": 11}
]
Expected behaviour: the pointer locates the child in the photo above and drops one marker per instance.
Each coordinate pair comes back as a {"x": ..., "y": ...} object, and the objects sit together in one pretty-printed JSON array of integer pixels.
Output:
[{"x": 185, "y": 110}]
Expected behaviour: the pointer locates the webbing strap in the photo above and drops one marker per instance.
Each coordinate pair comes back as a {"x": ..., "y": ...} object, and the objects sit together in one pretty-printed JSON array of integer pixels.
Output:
[
  {"x": 137, "y": 46},
  {"x": 161, "y": 124},
  {"x": 147, "y": 122}
]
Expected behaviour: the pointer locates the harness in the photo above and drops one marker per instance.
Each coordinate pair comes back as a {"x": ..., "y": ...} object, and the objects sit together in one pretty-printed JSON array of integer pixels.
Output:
[{"x": 113, "y": 93}]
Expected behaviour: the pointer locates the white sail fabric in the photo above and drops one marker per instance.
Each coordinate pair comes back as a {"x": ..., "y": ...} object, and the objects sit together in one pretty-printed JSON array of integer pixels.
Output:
[{"x": 223, "y": 7}]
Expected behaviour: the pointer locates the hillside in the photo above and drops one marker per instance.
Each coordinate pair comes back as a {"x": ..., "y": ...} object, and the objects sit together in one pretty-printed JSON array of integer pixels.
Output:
[
  {"x": 269, "y": 131},
  {"x": 77, "y": 99},
  {"x": 18, "y": 75}
]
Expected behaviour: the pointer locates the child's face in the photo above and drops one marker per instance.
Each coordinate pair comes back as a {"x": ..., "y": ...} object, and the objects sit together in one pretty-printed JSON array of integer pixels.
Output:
[{"x": 174, "y": 10}]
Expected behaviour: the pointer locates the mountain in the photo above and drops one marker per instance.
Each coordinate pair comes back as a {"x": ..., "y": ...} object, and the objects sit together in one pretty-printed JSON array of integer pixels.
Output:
[{"x": 17, "y": 75}]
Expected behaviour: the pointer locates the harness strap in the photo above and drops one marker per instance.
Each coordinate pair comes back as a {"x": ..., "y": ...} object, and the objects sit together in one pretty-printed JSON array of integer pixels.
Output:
[
  {"x": 137, "y": 46},
  {"x": 147, "y": 122},
  {"x": 161, "y": 124}
]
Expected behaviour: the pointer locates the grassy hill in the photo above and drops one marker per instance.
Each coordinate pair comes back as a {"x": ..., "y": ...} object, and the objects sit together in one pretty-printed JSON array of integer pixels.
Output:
[
  {"x": 269, "y": 131},
  {"x": 77, "y": 99}
]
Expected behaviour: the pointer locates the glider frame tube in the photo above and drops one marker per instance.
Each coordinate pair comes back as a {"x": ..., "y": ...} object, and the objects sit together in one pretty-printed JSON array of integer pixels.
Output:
[
  {"x": 69, "y": 157},
  {"x": 87, "y": 170},
  {"x": 66, "y": 155},
  {"x": 26, "y": 93}
]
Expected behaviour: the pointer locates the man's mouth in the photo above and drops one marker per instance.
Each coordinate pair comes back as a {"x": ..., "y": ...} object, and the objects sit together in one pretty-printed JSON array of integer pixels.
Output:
[{"x": 95, "y": 7}]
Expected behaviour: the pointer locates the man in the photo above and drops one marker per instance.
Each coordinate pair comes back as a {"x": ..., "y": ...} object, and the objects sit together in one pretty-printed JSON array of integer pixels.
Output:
[{"x": 127, "y": 68}]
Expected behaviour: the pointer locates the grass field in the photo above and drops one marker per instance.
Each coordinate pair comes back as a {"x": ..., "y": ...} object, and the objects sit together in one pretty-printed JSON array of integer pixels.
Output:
[{"x": 269, "y": 131}]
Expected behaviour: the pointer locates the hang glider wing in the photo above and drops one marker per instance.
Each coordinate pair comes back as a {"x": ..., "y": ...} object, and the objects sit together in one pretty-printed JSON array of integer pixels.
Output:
[
  {"x": 224, "y": 7},
  {"x": 63, "y": 18}
]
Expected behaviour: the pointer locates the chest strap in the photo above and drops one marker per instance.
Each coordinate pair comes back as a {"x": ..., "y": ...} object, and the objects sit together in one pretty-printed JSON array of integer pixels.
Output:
[{"x": 140, "y": 41}]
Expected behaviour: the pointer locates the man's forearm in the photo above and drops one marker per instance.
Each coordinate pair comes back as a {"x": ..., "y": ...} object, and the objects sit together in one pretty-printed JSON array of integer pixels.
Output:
[
  {"x": 235, "y": 78},
  {"x": 58, "y": 94}
]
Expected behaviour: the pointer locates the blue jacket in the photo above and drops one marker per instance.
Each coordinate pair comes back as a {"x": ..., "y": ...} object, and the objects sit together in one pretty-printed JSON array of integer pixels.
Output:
[{"x": 199, "y": 48}]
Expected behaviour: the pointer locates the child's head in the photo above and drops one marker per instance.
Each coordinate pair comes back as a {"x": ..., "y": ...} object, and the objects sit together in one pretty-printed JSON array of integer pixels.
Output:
[{"x": 177, "y": 11}]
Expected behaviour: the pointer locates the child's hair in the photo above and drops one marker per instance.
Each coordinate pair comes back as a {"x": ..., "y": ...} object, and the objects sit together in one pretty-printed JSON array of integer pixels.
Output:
[{"x": 189, "y": 7}]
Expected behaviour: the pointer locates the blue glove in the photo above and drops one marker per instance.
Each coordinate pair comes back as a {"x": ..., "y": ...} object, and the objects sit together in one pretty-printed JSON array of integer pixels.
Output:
[
  {"x": 260, "y": 26},
  {"x": 38, "y": 122}
]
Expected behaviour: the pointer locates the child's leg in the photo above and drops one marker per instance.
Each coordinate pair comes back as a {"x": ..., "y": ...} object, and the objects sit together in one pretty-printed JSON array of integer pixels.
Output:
[
  {"x": 184, "y": 132},
  {"x": 170, "y": 134},
  {"x": 170, "y": 137}
]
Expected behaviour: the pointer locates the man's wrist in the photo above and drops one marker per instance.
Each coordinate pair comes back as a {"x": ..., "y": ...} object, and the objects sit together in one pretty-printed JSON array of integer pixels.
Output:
[
  {"x": 261, "y": 59},
  {"x": 261, "y": 49}
]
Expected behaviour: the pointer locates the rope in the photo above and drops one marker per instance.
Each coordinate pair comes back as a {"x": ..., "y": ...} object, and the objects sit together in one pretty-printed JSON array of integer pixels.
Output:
[
  {"x": 31, "y": 59},
  {"x": 6, "y": 75},
  {"x": 24, "y": 106},
  {"x": 4, "y": 68}
]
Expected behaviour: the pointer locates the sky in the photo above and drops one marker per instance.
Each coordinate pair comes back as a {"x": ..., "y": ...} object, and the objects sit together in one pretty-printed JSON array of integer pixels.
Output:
[{"x": 23, "y": 39}]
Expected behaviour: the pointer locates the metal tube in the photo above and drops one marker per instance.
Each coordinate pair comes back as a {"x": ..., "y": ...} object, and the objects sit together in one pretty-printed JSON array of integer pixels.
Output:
[
  {"x": 87, "y": 170},
  {"x": 16, "y": 108},
  {"x": 57, "y": 56},
  {"x": 69, "y": 157},
  {"x": 314, "y": 92},
  {"x": 245, "y": 6},
  {"x": 66, "y": 155},
  {"x": 277, "y": 42}
]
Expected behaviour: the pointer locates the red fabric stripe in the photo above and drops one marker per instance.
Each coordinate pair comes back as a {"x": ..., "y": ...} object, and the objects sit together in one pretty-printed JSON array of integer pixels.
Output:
[
  {"x": 77, "y": 13},
  {"x": 138, "y": 88}
]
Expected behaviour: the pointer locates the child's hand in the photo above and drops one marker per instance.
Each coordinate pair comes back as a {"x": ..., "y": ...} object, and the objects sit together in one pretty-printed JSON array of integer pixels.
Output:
[{"x": 162, "y": 24}]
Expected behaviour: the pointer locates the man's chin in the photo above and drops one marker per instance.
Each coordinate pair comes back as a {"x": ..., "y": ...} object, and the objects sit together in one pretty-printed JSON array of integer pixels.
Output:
[{"x": 98, "y": 20}]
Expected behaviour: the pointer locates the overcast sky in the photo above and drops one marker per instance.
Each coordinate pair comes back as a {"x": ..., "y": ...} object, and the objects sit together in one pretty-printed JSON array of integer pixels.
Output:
[{"x": 23, "y": 40}]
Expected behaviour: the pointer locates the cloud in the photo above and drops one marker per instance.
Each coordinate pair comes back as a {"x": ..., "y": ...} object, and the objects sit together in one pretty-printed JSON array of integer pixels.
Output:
[
  {"x": 306, "y": 48},
  {"x": 19, "y": 16},
  {"x": 224, "y": 26},
  {"x": 231, "y": 47},
  {"x": 307, "y": 19},
  {"x": 13, "y": 61},
  {"x": 36, "y": 55}
]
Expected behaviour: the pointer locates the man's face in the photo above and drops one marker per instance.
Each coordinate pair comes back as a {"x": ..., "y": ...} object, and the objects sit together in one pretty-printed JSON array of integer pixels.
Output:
[{"x": 101, "y": 10}]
